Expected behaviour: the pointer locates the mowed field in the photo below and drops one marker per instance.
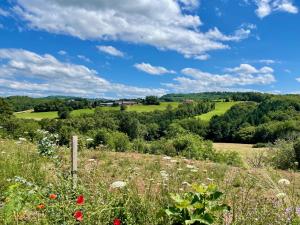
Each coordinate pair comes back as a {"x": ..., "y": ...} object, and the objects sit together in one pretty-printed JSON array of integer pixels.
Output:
[
  {"x": 137, "y": 108},
  {"x": 221, "y": 108}
]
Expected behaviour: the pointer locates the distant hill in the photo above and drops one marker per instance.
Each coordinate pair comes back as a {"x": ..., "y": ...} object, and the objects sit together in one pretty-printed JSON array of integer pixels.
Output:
[{"x": 215, "y": 96}]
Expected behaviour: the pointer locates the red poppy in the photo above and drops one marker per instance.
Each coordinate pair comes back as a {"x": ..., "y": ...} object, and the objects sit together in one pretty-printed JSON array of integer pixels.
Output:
[
  {"x": 80, "y": 200},
  {"x": 117, "y": 222},
  {"x": 41, "y": 206},
  {"x": 53, "y": 196},
  {"x": 78, "y": 215}
]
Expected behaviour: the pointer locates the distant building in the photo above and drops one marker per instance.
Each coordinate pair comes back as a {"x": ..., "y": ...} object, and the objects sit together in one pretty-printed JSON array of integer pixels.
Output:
[{"x": 126, "y": 102}]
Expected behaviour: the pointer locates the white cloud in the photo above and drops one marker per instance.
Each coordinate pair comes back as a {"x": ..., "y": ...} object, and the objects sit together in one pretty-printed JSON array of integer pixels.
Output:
[
  {"x": 197, "y": 81},
  {"x": 203, "y": 57},
  {"x": 3, "y": 13},
  {"x": 110, "y": 50},
  {"x": 62, "y": 52},
  {"x": 25, "y": 72},
  {"x": 267, "y": 61},
  {"x": 164, "y": 24},
  {"x": 266, "y": 7},
  {"x": 84, "y": 58},
  {"x": 154, "y": 70},
  {"x": 298, "y": 79}
]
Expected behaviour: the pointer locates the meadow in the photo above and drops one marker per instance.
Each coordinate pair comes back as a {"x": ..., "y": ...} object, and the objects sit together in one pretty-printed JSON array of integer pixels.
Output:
[
  {"x": 134, "y": 108},
  {"x": 133, "y": 188},
  {"x": 220, "y": 109}
]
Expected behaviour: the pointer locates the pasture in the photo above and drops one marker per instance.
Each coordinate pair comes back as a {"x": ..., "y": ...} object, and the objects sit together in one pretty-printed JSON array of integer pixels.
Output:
[
  {"x": 221, "y": 108},
  {"x": 137, "y": 108}
]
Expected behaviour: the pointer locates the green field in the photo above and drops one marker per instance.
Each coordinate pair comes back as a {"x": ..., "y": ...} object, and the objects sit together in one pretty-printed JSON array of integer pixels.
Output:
[
  {"x": 221, "y": 108},
  {"x": 136, "y": 108}
]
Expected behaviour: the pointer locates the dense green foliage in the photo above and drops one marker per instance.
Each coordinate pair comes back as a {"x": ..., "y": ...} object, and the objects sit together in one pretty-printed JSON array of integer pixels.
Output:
[
  {"x": 151, "y": 100},
  {"x": 57, "y": 104},
  {"x": 215, "y": 96},
  {"x": 267, "y": 121}
]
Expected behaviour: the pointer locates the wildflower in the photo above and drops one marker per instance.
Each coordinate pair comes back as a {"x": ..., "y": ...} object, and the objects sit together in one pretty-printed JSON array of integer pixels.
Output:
[
  {"x": 89, "y": 139},
  {"x": 194, "y": 170},
  {"x": 53, "y": 196},
  {"x": 80, "y": 200},
  {"x": 280, "y": 195},
  {"x": 190, "y": 166},
  {"x": 78, "y": 215},
  {"x": 284, "y": 182},
  {"x": 41, "y": 206},
  {"x": 164, "y": 175},
  {"x": 117, "y": 222},
  {"x": 118, "y": 184},
  {"x": 167, "y": 158},
  {"x": 22, "y": 139}
]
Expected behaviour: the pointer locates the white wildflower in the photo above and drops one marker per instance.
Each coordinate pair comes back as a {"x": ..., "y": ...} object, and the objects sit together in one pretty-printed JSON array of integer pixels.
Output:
[
  {"x": 281, "y": 195},
  {"x": 22, "y": 139},
  {"x": 118, "y": 184},
  {"x": 164, "y": 175},
  {"x": 194, "y": 170},
  {"x": 284, "y": 182},
  {"x": 190, "y": 166},
  {"x": 167, "y": 158}
]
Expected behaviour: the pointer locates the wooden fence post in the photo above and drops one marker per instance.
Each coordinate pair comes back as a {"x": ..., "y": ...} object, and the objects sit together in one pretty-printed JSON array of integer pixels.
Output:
[{"x": 74, "y": 150}]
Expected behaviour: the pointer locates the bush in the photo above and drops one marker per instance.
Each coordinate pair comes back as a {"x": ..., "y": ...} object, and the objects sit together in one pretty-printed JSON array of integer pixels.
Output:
[
  {"x": 118, "y": 141},
  {"x": 282, "y": 154},
  {"x": 47, "y": 144},
  {"x": 141, "y": 146}
]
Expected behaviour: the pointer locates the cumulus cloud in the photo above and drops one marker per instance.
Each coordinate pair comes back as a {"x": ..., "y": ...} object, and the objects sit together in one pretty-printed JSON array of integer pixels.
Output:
[
  {"x": 154, "y": 70},
  {"x": 164, "y": 24},
  {"x": 197, "y": 81},
  {"x": 25, "y": 72},
  {"x": 110, "y": 50},
  {"x": 266, "y": 7}
]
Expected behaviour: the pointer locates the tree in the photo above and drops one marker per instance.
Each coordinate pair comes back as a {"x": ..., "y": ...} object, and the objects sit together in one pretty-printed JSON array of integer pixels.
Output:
[
  {"x": 64, "y": 112},
  {"x": 151, "y": 100},
  {"x": 5, "y": 108}
]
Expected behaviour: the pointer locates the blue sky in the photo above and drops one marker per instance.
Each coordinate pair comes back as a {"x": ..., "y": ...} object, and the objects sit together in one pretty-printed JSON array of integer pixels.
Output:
[{"x": 101, "y": 48}]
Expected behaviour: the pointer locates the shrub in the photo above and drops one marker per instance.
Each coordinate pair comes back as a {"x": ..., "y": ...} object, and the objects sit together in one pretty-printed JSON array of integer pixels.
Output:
[
  {"x": 47, "y": 145},
  {"x": 282, "y": 154},
  {"x": 118, "y": 141}
]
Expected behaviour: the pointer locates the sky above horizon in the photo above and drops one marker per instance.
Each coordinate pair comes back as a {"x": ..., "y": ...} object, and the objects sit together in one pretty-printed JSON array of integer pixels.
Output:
[{"x": 135, "y": 48}]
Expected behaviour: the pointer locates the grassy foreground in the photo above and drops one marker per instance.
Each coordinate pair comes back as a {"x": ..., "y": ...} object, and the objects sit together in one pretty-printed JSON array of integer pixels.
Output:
[
  {"x": 136, "y": 108},
  {"x": 254, "y": 195},
  {"x": 221, "y": 108}
]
